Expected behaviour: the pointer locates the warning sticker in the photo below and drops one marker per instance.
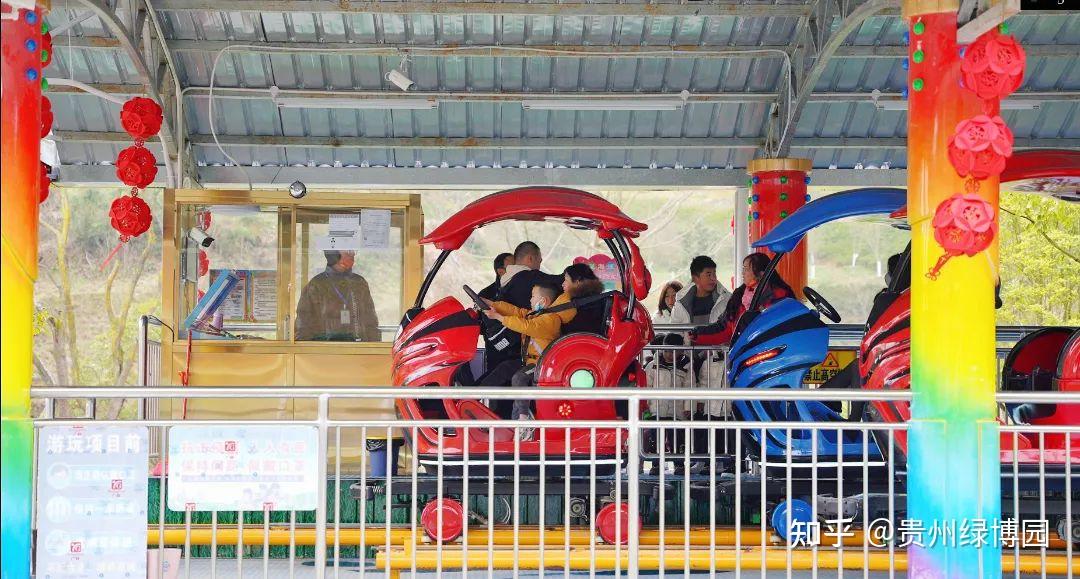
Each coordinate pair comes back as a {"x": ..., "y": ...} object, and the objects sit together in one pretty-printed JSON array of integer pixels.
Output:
[{"x": 834, "y": 361}]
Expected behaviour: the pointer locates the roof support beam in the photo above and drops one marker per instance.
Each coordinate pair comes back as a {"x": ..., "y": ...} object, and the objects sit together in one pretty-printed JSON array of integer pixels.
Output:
[
  {"x": 606, "y": 143},
  {"x": 568, "y": 51},
  {"x": 569, "y": 7},
  {"x": 246, "y": 93},
  {"x": 453, "y": 178}
]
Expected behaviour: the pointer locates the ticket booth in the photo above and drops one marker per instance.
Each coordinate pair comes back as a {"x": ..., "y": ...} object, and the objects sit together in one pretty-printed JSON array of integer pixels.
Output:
[{"x": 262, "y": 289}]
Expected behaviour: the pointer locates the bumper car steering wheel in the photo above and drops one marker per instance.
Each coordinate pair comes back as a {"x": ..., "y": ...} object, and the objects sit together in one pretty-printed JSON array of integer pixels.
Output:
[
  {"x": 475, "y": 297},
  {"x": 821, "y": 304}
]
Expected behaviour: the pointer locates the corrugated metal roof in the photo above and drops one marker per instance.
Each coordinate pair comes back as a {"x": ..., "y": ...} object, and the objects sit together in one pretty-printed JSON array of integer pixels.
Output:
[{"x": 838, "y": 119}]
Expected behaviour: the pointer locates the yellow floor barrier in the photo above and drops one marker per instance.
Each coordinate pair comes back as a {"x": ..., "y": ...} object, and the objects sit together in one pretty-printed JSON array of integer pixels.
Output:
[
  {"x": 502, "y": 536},
  {"x": 581, "y": 559}
]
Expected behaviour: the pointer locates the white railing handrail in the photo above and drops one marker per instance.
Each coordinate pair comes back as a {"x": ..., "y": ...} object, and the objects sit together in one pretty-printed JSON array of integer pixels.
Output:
[{"x": 380, "y": 392}]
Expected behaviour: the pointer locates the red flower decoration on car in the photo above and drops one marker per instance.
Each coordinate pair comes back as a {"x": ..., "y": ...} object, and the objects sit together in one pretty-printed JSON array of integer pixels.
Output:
[
  {"x": 204, "y": 263},
  {"x": 980, "y": 146},
  {"x": 963, "y": 225},
  {"x": 141, "y": 118},
  {"x": 993, "y": 66},
  {"x": 130, "y": 216},
  {"x": 46, "y": 116},
  {"x": 136, "y": 167}
]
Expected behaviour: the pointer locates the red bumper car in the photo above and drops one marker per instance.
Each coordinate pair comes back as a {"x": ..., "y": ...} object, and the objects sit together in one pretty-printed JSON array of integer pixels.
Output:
[{"x": 434, "y": 342}]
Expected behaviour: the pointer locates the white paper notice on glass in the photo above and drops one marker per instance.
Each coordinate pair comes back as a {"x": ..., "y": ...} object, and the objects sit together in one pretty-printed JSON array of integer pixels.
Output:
[
  {"x": 344, "y": 224},
  {"x": 375, "y": 228},
  {"x": 264, "y": 295}
]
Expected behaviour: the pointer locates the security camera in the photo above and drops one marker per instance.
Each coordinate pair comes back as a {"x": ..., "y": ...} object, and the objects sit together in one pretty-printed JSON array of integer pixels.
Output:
[
  {"x": 200, "y": 237},
  {"x": 399, "y": 79},
  {"x": 297, "y": 190}
]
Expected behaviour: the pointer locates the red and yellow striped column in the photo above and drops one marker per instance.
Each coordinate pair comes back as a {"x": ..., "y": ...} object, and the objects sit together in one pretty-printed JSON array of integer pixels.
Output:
[
  {"x": 777, "y": 189},
  {"x": 953, "y": 462},
  {"x": 20, "y": 135}
]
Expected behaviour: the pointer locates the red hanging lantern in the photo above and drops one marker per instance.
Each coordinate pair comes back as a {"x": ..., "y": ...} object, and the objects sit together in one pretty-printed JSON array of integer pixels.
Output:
[
  {"x": 130, "y": 216},
  {"x": 46, "y": 116},
  {"x": 136, "y": 167},
  {"x": 204, "y": 263},
  {"x": 993, "y": 66},
  {"x": 141, "y": 118},
  {"x": 45, "y": 182},
  {"x": 963, "y": 225},
  {"x": 980, "y": 147}
]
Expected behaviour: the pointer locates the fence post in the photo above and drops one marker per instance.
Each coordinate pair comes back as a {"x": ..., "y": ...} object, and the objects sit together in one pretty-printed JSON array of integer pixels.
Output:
[
  {"x": 320, "y": 505},
  {"x": 633, "y": 467}
]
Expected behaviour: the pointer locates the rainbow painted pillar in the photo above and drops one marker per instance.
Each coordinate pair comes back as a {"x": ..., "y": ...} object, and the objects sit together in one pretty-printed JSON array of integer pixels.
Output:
[
  {"x": 953, "y": 462},
  {"x": 20, "y": 136},
  {"x": 777, "y": 189}
]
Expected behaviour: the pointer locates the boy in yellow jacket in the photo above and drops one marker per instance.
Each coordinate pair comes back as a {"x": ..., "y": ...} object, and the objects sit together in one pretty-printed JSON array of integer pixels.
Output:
[{"x": 537, "y": 331}]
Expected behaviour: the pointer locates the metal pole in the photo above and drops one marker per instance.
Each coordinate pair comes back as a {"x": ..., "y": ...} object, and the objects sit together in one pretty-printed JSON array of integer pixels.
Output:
[
  {"x": 320, "y": 506},
  {"x": 20, "y": 136},
  {"x": 742, "y": 232},
  {"x": 953, "y": 461}
]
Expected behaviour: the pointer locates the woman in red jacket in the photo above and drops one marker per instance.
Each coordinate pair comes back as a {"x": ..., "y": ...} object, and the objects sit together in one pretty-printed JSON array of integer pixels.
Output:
[{"x": 753, "y": 268}]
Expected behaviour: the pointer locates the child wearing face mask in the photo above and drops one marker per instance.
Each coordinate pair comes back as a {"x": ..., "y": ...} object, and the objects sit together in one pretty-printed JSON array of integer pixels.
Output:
[{"x": 537, "y": 328}]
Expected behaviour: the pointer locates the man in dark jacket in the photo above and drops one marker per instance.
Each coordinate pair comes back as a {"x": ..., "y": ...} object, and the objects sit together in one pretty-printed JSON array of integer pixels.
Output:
[
  {"x": 491, "y": 292},
  {"x": 517, "y": 283},
  {"x": 336, "y": 305},
  {"x": 516, "y": 288}
]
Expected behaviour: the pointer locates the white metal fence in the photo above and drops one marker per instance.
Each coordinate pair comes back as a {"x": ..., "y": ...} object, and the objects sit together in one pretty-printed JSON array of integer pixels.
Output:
[{"x": 555, "y": 513}]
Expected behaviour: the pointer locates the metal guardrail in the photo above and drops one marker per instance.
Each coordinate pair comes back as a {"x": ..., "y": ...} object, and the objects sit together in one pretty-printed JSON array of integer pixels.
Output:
[{"x": 698, "y": 513}]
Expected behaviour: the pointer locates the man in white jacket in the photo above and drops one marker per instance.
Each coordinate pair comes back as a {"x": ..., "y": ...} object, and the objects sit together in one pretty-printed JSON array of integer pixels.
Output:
[{"x": 703, "y": 302}]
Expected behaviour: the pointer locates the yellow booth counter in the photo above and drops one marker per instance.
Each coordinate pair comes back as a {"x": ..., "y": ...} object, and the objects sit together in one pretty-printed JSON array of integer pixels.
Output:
[{"x": 283, "y": 291}]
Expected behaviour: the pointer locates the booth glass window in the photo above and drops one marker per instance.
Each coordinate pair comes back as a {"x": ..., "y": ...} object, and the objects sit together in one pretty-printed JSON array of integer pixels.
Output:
[
  {"x": 233, "y": 254},
  {"x": 349, "y": 265}
]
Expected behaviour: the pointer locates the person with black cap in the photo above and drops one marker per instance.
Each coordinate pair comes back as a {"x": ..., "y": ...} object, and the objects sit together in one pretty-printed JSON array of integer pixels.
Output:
[
  {"x": 336, "y": 304},
  {"x": 502, "y": 261}
]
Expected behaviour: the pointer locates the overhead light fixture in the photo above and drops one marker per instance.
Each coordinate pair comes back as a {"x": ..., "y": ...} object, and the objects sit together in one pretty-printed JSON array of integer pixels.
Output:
[
  {"x": 604, "y": 104},
  {"x": 1006, "y": 105},
  {"x": 608, "y": 104},
  {"x": 401, "y": 104}
]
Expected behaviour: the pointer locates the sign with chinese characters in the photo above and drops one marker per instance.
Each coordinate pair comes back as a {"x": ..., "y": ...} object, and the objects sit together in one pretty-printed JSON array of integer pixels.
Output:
[
  {"x": 91, "y": 501},
  {"x": 251, "y": 468},
  {"x": 605, "y": 268},
  {"x": 834, "y": 362}
]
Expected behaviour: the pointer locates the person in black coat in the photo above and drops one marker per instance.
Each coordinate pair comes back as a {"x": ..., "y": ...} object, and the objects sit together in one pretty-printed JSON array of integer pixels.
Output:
[
  {"x": 519, "y": 279},
  {"x": 491, "y": 292}
]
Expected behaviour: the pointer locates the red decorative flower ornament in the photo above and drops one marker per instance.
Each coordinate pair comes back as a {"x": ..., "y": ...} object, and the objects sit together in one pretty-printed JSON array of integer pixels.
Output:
[
  {"x": 204, "y": 263},
  {"x": 565, "y": 409},
  {"x": 46, "y": 116},
  {"x": 45, "y": 182},
  {"x": 130, "y": 216},
  {"x": 993, "y": 66},
  {"x": 136, "y": 167},
  {"x": 980, "y": 147},
  {"x": 963, "y": 225},
  {"x": 141, "y": 118}
]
